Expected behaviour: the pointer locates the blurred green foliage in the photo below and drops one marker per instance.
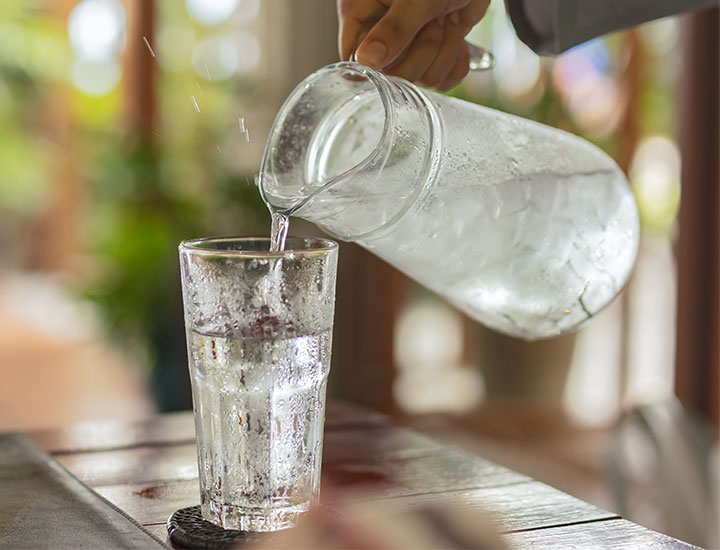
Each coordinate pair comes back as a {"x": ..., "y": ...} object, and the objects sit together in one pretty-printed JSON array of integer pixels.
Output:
[
  {"x": 140, "y": 197},
  {"x": 146, "y": 199},
  {"x": 33, "y": 55}
]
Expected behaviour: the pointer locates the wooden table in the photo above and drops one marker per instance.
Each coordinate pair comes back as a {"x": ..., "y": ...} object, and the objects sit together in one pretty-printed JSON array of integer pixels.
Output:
[{"x": 148, "y": 469}]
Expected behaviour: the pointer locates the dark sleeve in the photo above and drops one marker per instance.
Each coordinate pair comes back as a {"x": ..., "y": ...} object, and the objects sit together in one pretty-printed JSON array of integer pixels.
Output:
[{"x": 577, "y": 21}]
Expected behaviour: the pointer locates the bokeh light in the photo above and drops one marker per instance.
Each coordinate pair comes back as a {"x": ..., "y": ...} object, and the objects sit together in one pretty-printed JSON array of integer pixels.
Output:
[
  {"x": 95, "y": 78},
  {"x": 428, "y": 346},
  {"x": 517, "y": 69},
  {"x": 655, "y": 176},
  {"x": 97, "y": 29},
  {"x": 215, "y": 58},
  {"x": 211, "y": 12},
  {"x": 589, "y": 93},
  {"x": 249, "y": 49},
  {"x": 175, "y": 47},
  {"x": 660, "y": 37},
  {"x": 428, "y": 334},
  {"x": 219, "y": 57},
  {"x": 246, "y": 11}
]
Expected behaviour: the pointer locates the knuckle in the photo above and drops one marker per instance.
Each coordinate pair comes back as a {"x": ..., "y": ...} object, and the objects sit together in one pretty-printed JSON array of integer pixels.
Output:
[
  {"x": 436, "y": 73},
  {"x": 433, "y": 79},
  {"x": 458, "y": 72},
  {"x": 431, "y": 34},
  {"x": 429, "y": 82},
  {"x": 409, "y": 69},
  {"x": 393, "y": 27}
]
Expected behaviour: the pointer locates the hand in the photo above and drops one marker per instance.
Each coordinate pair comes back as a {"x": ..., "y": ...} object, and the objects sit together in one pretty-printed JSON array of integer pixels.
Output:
[{"x": 422, "y": 41}]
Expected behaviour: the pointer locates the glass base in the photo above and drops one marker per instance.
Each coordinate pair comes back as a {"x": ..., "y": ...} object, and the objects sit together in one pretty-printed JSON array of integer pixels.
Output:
[{"x": 230, "y": 516}]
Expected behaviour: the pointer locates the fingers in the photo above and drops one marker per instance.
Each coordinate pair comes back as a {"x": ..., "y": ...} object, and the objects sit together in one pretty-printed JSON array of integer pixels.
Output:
[
  {"x": 356, "y": 18},
  {"x": 349, "y": 30},
  {"x": 473, "y": 12},
  {"x": 420, "y": 55},
  {"x": 419, "y": 40},
  {"x": 438, "y": 58},
  {"x": 446, "y": 56},
  {"x": 459, "y": 70},
  {"x": 395, "y": 30}
]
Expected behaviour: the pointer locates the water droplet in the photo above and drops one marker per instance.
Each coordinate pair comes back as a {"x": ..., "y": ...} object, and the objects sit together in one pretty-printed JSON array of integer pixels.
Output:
[{"x": 148, "y": 46}]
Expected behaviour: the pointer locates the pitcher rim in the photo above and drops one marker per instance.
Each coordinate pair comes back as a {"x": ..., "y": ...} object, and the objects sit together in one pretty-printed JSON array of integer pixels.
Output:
[{"x": 375, "y": 78}]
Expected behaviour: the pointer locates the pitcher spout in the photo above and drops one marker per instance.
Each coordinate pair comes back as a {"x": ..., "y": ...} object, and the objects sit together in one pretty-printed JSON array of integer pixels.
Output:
[{"x": 350, "y": 150}]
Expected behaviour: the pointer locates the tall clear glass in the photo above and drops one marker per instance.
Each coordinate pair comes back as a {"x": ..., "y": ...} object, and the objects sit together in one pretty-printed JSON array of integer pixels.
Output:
[{"x": 259, "y": 333}]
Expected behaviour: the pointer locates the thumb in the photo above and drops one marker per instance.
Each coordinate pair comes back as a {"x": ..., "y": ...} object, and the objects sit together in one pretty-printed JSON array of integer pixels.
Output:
[{"x": 395, "y": 30}]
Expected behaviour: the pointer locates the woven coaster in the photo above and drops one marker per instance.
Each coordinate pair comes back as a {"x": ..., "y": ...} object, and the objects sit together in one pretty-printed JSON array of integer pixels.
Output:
[{"x": 188, "y": 529}]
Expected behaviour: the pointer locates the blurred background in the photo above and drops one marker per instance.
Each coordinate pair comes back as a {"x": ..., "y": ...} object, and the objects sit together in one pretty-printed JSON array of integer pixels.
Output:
[{"x": 129, "y": 125}]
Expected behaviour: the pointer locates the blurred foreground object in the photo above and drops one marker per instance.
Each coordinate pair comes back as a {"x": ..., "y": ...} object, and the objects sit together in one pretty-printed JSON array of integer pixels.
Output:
[{"x": 370, "y": 525}]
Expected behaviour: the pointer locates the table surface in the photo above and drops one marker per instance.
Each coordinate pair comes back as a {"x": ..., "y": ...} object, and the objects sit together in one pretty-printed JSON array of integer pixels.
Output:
[{"x": 148, "y": 469}]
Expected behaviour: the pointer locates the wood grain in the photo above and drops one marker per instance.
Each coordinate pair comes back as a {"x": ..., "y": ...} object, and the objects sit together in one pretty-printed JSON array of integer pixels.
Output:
[
  {"x": 135, "y": 465},
  {"x": 149, "y": 470},
  {"x": 521, "y": 506},
  {"x": 159, "y": 531},
  {"x": 142, "y": 464},
  {"x": 168, "y": 429},
  {"x": 524, "y": 505},
  {"x": 618, "y": 534},
  {"x": 438, "y": 473},
  {"x": 419, "y": 479},
  {"x": 152, "y": 502}
]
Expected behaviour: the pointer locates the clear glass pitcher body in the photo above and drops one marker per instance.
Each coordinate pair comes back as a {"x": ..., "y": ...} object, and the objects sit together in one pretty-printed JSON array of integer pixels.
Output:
[{"x": 528, "y": 229}]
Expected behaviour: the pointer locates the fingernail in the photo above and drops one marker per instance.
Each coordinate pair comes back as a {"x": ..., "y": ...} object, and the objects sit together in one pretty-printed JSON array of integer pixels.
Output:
[
  {"x": 372, "y": 54},
  {"x": 454, "y": 18}
]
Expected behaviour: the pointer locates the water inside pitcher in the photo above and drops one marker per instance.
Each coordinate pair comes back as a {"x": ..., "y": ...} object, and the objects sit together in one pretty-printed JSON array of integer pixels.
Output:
[{"x": 529, "y": 230}]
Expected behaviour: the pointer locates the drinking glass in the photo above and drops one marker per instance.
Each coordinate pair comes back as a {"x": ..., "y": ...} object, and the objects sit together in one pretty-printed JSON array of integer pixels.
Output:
[{"x": 259, "y": 333}]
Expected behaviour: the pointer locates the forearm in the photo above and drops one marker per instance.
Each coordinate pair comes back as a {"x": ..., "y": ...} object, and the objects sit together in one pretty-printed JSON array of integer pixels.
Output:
[{"x": 553, "y": 26}]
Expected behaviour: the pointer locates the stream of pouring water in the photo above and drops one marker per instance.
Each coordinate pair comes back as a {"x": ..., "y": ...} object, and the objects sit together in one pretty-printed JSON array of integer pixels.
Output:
[
  {"x": 279, "y": 222},
  {"x": 278, "y": 231}
]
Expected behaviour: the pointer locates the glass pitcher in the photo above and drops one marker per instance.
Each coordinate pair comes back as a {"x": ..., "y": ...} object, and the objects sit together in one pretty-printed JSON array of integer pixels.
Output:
[{"x": 528, "y": 229}]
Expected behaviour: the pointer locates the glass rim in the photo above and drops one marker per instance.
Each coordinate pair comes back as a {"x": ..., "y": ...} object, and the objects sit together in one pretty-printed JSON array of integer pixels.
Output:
[{"x": 199, "y": 246}]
